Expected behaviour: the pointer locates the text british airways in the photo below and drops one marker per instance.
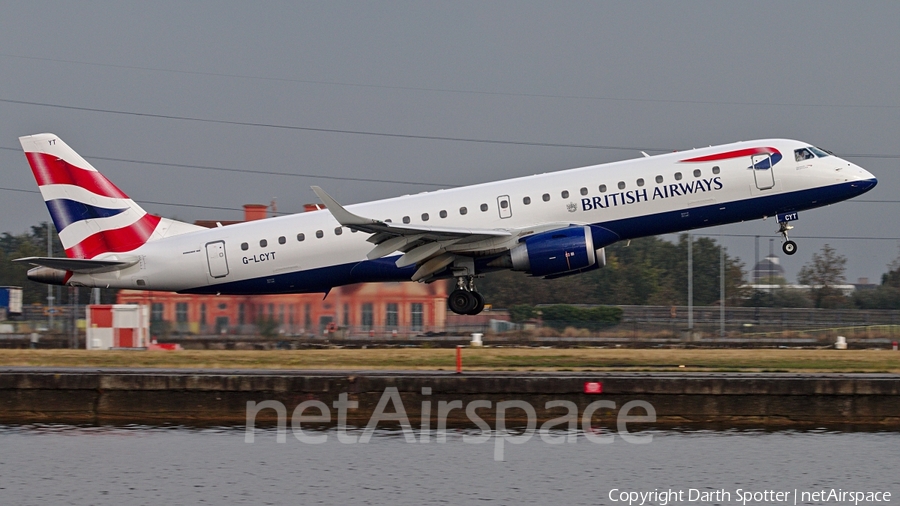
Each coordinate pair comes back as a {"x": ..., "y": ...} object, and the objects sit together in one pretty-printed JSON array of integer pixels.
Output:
[{"x": 659, "y": 192}]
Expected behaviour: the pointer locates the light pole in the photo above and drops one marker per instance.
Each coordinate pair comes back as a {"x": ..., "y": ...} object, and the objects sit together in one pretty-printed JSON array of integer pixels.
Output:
[
  {"x": 49, "y": 287},
  {"x": 690, "y": 287},
  {"x": 721, "y": 285}
]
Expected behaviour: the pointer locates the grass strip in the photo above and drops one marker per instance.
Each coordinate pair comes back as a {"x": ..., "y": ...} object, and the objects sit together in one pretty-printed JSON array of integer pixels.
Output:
[{"x": 488, "y": 359}]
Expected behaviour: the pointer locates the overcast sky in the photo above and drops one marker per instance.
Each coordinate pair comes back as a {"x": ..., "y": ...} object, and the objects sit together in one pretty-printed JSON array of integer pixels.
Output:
[{"x": 302, "y": 89}]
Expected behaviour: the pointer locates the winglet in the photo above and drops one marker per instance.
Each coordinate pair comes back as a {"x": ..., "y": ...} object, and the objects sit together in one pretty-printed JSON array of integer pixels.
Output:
[{"x": 343, "y": 216}]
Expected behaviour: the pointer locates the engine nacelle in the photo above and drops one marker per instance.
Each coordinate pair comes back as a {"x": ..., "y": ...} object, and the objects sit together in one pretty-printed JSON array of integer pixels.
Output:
[
  {"x": 559, "y": 252},
  {"x": 48, "y": 275}
]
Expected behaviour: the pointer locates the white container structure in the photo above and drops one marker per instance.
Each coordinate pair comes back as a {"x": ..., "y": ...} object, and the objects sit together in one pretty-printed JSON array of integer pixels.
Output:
[{"x": 112, "y": 326}]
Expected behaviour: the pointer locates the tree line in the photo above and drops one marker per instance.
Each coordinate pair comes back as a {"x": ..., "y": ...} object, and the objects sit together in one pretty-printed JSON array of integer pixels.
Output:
[
  {"x": 33, "y": 243},
  {"x": 646, "y": 271},
  {"x": 653, "y": 271}
]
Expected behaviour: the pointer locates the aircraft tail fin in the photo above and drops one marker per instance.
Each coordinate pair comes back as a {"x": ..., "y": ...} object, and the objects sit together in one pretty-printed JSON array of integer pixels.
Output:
[{"x": 90, "y": 213}]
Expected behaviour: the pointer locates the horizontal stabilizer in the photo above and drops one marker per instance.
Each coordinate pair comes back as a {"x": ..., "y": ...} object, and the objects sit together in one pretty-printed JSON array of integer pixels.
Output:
[{"x": 79, "y": 265}]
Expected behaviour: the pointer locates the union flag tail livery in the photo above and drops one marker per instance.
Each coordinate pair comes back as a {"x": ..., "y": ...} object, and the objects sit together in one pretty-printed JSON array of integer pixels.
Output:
[
  {"x": 548, "y": 225},
  {"x": 90, "y": 213}
]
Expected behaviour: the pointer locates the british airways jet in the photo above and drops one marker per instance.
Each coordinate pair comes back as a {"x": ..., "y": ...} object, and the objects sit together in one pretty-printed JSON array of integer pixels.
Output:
[{"x": 547, "y": 225}]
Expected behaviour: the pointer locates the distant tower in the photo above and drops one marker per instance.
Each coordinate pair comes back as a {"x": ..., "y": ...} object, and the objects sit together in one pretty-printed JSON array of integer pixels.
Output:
[{"x": 768, "y": 268}]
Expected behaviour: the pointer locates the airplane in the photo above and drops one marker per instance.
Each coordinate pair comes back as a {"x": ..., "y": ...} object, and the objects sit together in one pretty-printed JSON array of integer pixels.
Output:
[{"x": 547, "y": 225}]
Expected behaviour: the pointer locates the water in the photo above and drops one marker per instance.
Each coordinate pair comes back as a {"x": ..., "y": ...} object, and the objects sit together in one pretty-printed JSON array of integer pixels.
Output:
[{"x": 137, "y": 465}]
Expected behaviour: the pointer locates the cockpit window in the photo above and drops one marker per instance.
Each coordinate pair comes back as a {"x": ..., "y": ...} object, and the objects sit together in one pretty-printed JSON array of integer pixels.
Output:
[
  {"x": 803, "y": 154},
  {"x": 821, "y": 153}
]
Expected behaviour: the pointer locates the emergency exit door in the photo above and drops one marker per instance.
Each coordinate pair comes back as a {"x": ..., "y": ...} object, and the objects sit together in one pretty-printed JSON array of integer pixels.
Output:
[{"x": 504, "y": 206}]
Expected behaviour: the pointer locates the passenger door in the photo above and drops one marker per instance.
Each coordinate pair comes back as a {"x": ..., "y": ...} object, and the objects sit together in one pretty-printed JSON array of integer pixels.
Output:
[
  {"x": 215, "y": 256},
  {"x": 762, "y": 171}
]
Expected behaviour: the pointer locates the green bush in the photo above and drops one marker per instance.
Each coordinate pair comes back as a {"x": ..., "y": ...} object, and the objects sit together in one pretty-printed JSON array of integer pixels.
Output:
[
  {"x": 593, "y": 318},
  {"x": 268, "y": 327},
  {"x": 521, "y": 313},
  {"x": 561, "y": 316}
]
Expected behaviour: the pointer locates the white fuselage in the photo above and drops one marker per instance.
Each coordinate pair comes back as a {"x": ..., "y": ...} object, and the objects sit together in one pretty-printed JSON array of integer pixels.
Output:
[{"x": 643, "y": 196}]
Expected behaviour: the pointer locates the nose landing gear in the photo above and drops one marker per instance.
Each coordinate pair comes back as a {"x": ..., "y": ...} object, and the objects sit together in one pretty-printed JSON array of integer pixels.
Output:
[
  {"x": 465, "y": 300},
  {"x": 789, "y": 247}
]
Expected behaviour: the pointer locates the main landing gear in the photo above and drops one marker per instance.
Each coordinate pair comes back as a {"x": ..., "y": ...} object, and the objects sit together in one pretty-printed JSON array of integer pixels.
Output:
[
  {"x": 789, "y": 247},
  {"x": 465, "y": 300}
]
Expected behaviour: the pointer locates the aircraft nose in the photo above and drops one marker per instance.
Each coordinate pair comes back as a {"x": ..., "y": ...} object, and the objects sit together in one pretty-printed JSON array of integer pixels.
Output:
[{"x": 866, "y": 180}]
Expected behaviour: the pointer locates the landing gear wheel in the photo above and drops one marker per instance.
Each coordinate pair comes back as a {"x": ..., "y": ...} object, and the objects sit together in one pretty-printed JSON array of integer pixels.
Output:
[
  {"x": 462, "y": 302},
  {"x": 789, "y": 247},
  {"x": 479, "y": 303}
]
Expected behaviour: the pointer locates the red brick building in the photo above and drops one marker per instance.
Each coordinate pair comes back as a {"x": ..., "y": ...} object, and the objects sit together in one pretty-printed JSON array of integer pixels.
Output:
[{"x": 379, "y": 308}]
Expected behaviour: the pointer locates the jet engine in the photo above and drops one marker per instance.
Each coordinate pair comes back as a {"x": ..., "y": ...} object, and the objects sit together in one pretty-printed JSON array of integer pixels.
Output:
[{"x": 561, "y": 252}]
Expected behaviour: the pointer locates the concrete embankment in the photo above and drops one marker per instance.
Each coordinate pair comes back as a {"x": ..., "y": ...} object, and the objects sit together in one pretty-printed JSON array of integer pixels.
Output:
[{"x": 202, "y": 397}]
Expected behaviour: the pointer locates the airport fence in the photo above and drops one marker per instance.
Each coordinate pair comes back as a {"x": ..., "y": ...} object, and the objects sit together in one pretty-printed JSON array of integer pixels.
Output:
[{"x": 648, "y": 324}]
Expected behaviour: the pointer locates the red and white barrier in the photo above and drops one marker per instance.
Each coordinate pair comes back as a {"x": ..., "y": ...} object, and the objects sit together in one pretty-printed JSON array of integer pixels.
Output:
[{"x": 117, "y": 326}]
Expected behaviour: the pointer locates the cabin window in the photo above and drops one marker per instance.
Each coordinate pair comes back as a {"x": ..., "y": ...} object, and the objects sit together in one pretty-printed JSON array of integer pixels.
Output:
[
  {"x": 504, "y": 204},
  {"x": 282, "y": 240},
  {"x": 463, "y": 210},
  {"x": 424, "y": 216},
  {"x": 388, "y": 220},
  {"x": 621, "y": 185},
  {"x": 320, "y": 234},
  {"x": 301, "y": 237},
  {"x": 565, "y": 194},
  {"x": 526, "y": 200},
  {"x": 696, "y": 172},
  {"x": 716, "y": 169},
  {"x": 640, "y": 182},
  {"x": 584, "y": 191},
  {"x": 546, "y": 197},
  {"x": 484, "y": 207},
  {"x": 263, "y": 243},
  {"x": 245, "y": 246},
  {"x": 678, "y": 176},
  {"x": 406, "y": 219},
  {"x": 443, "y": 214},
  {"x": 659, "y": 179},
  {"x": 338, "y": 231},
  {"x": 602, "y": 188}
]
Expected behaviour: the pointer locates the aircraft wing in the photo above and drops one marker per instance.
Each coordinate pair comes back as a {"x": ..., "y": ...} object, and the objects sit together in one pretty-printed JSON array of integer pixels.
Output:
[
  {"x": 432, "y": 248},
  {"x": 79, "y": 265}
]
